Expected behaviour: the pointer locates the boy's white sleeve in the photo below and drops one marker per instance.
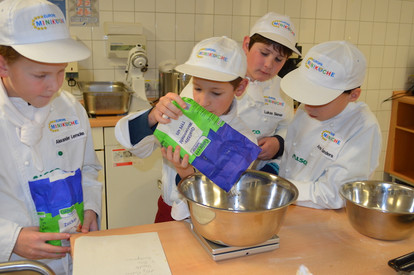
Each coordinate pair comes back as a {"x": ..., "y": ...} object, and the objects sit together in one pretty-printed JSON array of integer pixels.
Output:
[
  {"x": 357, "y": 161},
  {"x": 281, "y": 129},
  {"x": 143, "y": 148},
  {"x": 9, "y": 231}
]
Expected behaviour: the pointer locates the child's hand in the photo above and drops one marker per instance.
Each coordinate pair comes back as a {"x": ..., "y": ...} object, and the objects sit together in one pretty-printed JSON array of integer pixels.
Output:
[
  {"x": 270, "y": 146},
  {"x": 31, "y": 244},
  {"x": 165, "y": 109},
  {"x": 182, "y": 166},
  {"x": 90, "y": 222}
]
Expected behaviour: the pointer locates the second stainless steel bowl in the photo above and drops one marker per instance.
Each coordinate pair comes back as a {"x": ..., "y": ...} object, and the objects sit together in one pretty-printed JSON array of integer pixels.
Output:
[{"x": 381, "y": 210}]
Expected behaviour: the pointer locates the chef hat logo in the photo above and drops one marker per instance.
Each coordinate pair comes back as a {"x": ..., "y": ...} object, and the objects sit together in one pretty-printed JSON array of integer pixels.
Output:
[
  {"x": 314, "y": 64},
  {"x": 210, "y": 52},
  {"x": 43, "y": 21},
  {"x": 283, "y": 25}
]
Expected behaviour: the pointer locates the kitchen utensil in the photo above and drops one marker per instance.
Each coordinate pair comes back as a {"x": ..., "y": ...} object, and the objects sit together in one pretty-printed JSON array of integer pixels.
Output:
[
  {"x": 249, "y": 214},
  {"x": 380, "y": 210},
  {"x": 105, "y": 98},
  {"x": 404, "y": 263},
  {"x": 171, "y": 80}
]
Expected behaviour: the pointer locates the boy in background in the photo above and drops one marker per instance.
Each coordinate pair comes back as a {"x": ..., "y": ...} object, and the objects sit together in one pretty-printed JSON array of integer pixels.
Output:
[
  {"x": 332, "y": 139},
  {"x": 45, "y": 133},
  {"x": 264, "y": 108},
  {"x": 218, "y": 66}
]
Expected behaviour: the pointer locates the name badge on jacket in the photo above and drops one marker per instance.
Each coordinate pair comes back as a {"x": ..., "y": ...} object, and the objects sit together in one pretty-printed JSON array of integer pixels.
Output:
[
  {"x": 273, "y": 107},
  {"x": 330, "y": 144}
]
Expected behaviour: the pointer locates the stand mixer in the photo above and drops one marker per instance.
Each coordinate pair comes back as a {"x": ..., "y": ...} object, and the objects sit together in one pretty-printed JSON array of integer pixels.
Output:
[{"x": 137, "y": 65}]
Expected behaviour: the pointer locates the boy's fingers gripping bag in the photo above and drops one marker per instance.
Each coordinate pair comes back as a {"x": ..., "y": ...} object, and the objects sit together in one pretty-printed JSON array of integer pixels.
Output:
[{"x": 218, "y": 151}]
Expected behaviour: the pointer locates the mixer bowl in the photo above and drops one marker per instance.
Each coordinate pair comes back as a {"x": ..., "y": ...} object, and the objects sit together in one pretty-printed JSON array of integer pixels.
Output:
[
  {"x": 249, "y": 214},
  {"x": 380, "y": 210}
]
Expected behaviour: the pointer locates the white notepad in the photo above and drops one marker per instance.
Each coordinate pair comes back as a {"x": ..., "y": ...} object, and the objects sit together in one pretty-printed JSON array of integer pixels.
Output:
[{"x": 120, "y": 254}]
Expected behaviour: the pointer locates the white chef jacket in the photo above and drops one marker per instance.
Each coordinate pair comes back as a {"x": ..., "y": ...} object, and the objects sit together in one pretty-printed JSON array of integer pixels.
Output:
[
  {"x": 66, "y": 144},
  {"x": 266, "y": 110},
  {"x": 320, "y": 156},
  {"x": 148, "y": 144}
]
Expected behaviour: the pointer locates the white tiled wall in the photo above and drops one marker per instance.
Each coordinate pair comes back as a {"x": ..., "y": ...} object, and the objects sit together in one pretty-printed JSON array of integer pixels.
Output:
[{"x": 382, "y": 29}]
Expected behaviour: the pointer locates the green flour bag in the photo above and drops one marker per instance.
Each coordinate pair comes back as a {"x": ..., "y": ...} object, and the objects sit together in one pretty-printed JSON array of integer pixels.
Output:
[{"x": 217, "y": 150}]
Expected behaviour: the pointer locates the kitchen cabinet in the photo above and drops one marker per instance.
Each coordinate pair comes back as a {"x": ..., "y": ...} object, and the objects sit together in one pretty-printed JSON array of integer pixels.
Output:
[
  {"x": 399, "y": 162},
  {"x": 130, "y": 183}
]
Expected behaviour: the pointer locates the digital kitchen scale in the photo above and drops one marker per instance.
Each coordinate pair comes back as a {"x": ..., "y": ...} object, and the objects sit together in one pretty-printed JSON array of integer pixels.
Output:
[{"x": 222, "y": 252}]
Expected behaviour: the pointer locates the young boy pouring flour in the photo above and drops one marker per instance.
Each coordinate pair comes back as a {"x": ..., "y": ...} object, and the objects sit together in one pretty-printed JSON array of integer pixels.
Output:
[{"x": 218, "y": 66}]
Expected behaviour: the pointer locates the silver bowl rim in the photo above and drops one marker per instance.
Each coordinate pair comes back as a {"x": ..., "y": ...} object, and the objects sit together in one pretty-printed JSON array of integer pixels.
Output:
[
  {"x": 341, "y": 192},
  {"x": 295, "y": 195}
]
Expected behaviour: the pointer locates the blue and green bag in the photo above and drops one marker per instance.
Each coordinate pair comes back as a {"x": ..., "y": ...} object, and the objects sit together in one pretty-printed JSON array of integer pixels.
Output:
[
  {"x": 59, "y": 202},
  {"x": 218, "y": 151}
]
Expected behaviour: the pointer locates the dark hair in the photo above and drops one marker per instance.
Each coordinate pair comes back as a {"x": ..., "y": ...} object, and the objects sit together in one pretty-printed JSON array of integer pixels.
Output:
[
  {"x": 9, "y": 54},
  {"x": 349, "y": 91},
  {"x": 236, "y": 82},
  {"x": 257, "y": 38}
]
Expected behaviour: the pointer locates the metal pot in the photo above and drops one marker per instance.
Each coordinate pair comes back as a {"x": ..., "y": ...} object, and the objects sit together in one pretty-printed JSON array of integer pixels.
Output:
[
  {"x": 105, "y": 97},
  {"x": 171, "y": 80},
  {"x": 249, "y": 214}
]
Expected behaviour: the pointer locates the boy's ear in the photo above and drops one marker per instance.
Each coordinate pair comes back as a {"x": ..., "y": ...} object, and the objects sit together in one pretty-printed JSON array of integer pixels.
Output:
[
  {"x": 355, "y": 94},
  {"x": 242, "y": 87},
  {"x": 3, "y": 67},
  {"x": 245, "y": 45}
]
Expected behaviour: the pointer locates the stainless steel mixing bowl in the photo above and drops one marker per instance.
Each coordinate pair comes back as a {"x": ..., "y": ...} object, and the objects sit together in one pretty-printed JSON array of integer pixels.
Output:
[
  {"x": 249, "y": 214},
  {"x": 380, "y": 210}
]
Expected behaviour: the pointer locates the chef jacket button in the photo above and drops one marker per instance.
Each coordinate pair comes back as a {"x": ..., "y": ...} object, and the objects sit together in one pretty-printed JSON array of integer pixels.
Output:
[
  {"x": 60, "y": 153},
  {"x": 265, "y": 119},
  {"x": 331, "y": 125},
  {"x": 294, "y": 144},
  {"x": 26, "y": 163}
]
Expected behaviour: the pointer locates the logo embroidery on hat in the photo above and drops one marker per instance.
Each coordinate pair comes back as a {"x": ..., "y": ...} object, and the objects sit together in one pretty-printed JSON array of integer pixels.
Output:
[
  {"x": 43, "y": 21},
  {"x": 209, "y": 52},
  {"x": 283, "y": 25},
  {"x": 318, "y": 66}
]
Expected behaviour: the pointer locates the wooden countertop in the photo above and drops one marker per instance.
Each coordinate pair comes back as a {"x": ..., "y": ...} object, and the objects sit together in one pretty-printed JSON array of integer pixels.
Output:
[
  {"x": 104, "y": 121},
  {"x": 322, "y": 240}
]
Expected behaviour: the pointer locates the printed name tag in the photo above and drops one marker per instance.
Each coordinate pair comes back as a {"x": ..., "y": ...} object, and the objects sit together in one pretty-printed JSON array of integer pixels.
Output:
[{"x": 70, "y": 137}]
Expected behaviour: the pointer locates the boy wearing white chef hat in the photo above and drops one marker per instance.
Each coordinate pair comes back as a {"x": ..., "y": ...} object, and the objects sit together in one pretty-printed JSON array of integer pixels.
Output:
[
  {"x": 46, "y": 143},
  {"x": 218, "y": 66},
  {"x": 263, "y": 107},
  {"x": 333, "y": 139}
]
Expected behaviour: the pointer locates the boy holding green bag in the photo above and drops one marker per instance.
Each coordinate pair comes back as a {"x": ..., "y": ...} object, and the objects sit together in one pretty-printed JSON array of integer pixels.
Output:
[{"x": 218, "y": 66}]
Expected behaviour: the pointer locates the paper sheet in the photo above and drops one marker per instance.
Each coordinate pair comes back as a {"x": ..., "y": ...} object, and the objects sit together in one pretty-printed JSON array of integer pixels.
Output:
[{"x": 120, "y": 254}]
